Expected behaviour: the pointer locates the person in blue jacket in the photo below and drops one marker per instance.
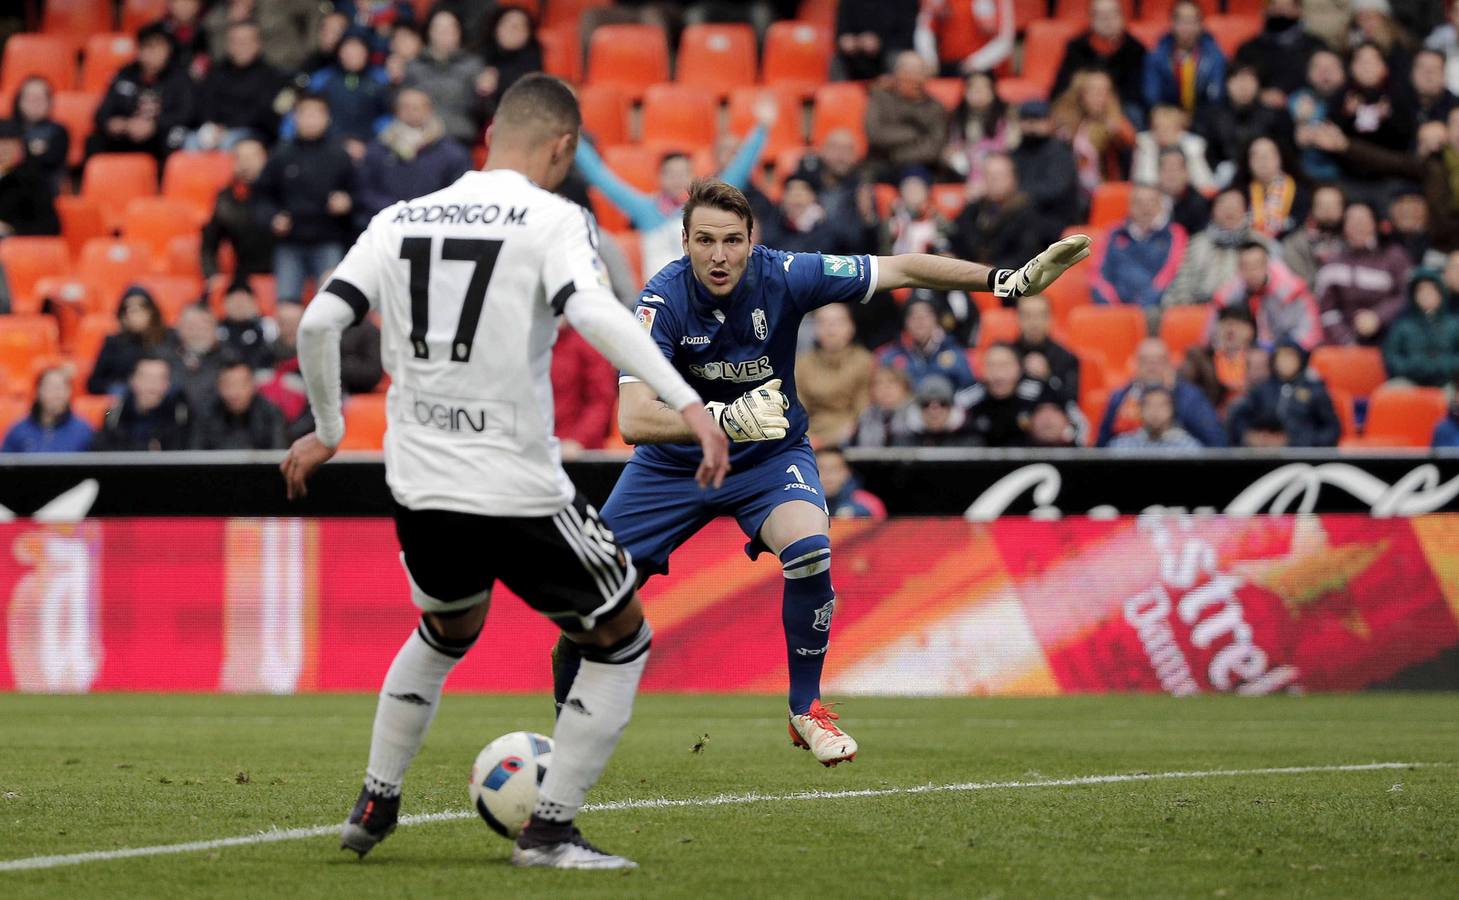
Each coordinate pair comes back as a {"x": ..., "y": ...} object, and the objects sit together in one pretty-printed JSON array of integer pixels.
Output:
[
  {"x": 1186, "y": 68},
  {"x": 51, "y": 426}
]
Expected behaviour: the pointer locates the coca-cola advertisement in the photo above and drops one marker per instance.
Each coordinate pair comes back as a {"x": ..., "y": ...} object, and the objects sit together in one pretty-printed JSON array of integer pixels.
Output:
[{"x": 1181, "y": 604}]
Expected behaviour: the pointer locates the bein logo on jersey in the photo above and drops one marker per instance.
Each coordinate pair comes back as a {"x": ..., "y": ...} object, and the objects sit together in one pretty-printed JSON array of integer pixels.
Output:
[
  {"x": 756, "y": 370},
  {"x": 454, "y": 416},
  {"x": 762, "y": 330}
]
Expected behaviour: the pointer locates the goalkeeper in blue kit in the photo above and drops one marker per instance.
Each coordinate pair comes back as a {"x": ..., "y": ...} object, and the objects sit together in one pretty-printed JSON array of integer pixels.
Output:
[{"x": 727, "y": 316}]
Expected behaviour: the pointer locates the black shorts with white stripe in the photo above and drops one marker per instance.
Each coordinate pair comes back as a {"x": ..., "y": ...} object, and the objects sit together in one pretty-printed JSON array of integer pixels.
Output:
[{"x": 567, "y": 567}]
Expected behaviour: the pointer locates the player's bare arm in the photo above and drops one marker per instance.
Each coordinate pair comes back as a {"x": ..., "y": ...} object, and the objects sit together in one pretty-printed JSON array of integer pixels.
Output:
[{"x": 921, "y": 270}]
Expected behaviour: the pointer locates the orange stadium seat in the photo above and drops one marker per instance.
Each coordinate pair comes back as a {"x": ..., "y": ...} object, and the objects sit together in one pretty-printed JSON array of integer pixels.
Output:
[
  {"x": 80, "y": 221},
  {"x": 184, "y": 256},
  {"x": 29, "y": 259},
  {"x": 1183, "y": 327},
  {"x": 364, "y": 422},
  {"x": 1026, "y": 11},
  {"x": 821, "y": 12},
  {"x": 996, "y": 326},
  {"x": 115, "y": 179},
  {"x": 1014, "y": 91},
  {"x": 1342, "y": 404},
  {"x": 679, "y": 116},
  {"x": 716, "y": 58},
  {"x": 1149, "y": 32},
  {"x": 636, "y": 164},
  {"x": 562, "y": 52},
  {"x": 840, "y": 104},
  {"x": 1241, "y": 7},
  {"x": 886, "y": 195},
  {"x": 136, "y": 13},
  {"x": 102, "y": 57},
  {"x": 76, "y": 112},
  {"x": 77, "y": 16},
  {"x": 92, "y": 408},
  {"x": 605, "y": 114},
  {"x": 949, "y": 199},
  {"x": 568, "y": 12},
  {"x": 108, "y": 266},
  {"x": 52, "y": 58},
  {"x": 1110, "y": 204},
  {"x": 629, "y": 56},
  {"x": 797, "y": 56},
  {"x": 787, "y": 133},
  {"x": 1401, "y": 417},
  {"x": 196, "y": 178},
  {"x": 610, "y": 217},
  {"x": 1114, "y": 331},
  {"x": 67, "y": 291},
  {"x": 1069, "y": 292},
  {"x": 1357, "y": 370},
  {"x": 786, "y": 162},
  {"x": 1043, "y": 50},
  {"x": 172, "y": 293},
  {"x": 1231, "y": 32},
  {"x": 947, "y": 91},
  {"x": 1093, "y": 404},
  {"x": 155, "y": 221},
  {"x": 23, "y": 340},
  {"x": 632, "y": 249},
  {"x": 1091, "y": 371}
]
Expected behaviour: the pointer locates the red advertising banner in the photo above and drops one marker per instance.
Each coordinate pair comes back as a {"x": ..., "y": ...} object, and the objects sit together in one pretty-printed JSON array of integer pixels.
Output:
[{"x": 1178, "y": 604}]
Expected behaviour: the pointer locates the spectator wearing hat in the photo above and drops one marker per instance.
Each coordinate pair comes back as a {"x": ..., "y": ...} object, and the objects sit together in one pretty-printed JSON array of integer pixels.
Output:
[
  {"x": 411, "y": 158},
  {"x": 1153, "y": 370},
  {"x": 1422, "y": 347},
  {"x": 304, "y": 195},
  {"x": 51, "y": 427},
  {"x": 905, "y": 126},
  {"x": 1041, "y": 357},
  {"x": 833, "y": 378},
  {"x": 936, "y": 420},
  {"x": 999, "y": 226},
  {"x": 845, "y": 497},
  {"x": 1107, "y": 47},
  {"x": 239, "y": 219},
  {"x": 1363, "y": 290},
  {"x": 1296, "y": 402},
  {"x": 886, "y": 420},
  {"x": 1136, "y": 260},
  {"x": 1279, "y": 302},
  {"x": 1187, "y": 68},
  {"x": 151, "y": 414},
  {"x": 1159, "y": 431},
  {"x": 926, "y": 349},
  {"x": 149, "y": 103},
  {"x": 238, "y": 417},
  {"x": 26, "y": 203},
  {"x": 235, "y": 101},
  {"x": 1046, "y": 168},
  {"x": 1280, "y": 52}
]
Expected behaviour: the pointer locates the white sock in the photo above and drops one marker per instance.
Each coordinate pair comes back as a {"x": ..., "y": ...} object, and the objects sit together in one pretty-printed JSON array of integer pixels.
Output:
[
  {"x": 592, "y": 721},
  {"x": 408, "y": 702}
]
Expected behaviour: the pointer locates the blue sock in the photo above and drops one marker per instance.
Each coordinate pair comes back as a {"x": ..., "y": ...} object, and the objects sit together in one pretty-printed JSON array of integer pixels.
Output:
[{"x": 806, "y": 614}]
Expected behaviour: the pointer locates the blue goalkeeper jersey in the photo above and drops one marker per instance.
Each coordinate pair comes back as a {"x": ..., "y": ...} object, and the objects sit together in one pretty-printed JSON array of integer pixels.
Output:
[{"x": 725, "y": 347}]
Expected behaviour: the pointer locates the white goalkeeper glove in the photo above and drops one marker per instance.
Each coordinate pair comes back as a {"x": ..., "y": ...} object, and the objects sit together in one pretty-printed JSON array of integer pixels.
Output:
[
  {"x": 1041, "y": 271},
  {"x": 758, "y": 415}
]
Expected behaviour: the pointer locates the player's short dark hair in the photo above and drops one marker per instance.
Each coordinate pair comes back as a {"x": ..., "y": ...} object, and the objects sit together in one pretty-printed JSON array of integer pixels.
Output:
[
  {"x": 715, "y": 194},
  {"x": 538, "y": 107}
]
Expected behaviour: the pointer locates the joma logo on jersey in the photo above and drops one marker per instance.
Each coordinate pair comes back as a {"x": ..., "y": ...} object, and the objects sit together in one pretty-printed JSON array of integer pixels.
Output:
[
  {"x": 459, "y": 214},
  {"x": 750, "y": 370},
  {"x": 694, "y": 340}
]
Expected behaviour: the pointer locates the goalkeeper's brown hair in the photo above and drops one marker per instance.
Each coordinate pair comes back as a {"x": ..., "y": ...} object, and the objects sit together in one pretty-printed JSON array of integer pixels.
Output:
[{"x": 716, "y": 194}]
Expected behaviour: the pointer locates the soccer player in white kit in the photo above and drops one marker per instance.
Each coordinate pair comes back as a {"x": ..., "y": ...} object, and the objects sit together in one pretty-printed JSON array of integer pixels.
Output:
[{"x": 469, "y": 282}]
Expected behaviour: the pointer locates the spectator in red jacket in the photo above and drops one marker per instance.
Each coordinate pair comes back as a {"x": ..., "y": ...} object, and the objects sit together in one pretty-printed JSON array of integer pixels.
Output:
[
  {"x": 1362, "y": 291},
  {"x": 584, "y": 394},
  {"x": 966, "y": 36}
]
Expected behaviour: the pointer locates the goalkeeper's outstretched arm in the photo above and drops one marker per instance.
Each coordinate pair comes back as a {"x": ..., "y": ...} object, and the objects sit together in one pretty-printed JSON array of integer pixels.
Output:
[{"x": 923, "y": 270}]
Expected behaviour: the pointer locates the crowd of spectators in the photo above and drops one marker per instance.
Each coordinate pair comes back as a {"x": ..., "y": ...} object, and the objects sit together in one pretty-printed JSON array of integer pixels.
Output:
[{"x": 1304, "y": 190}]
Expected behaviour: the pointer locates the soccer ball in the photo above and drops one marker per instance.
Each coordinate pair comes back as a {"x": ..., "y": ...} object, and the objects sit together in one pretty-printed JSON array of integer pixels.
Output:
[{"x": 505, "y": 777}]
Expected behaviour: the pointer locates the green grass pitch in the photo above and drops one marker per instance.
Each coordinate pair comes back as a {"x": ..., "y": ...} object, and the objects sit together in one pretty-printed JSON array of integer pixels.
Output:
[{"x": 100, "y": 773}]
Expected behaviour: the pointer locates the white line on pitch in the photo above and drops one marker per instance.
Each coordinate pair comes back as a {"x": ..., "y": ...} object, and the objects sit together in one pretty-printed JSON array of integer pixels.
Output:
[{"x": 294, "y": 834}]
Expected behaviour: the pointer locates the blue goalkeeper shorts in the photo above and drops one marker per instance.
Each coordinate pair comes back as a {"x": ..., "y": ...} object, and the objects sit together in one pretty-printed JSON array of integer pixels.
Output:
[{"x": 652, "y": 511}]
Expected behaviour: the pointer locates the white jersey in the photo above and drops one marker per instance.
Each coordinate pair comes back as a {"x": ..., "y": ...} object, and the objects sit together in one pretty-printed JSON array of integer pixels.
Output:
[{"x": 469, "y": 282}]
